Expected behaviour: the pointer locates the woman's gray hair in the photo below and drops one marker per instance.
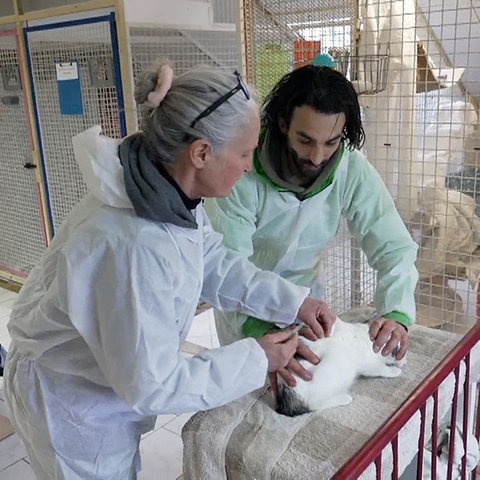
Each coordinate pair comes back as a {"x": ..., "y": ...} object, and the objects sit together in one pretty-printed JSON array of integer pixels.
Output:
[{"x": 167, "y": 128}]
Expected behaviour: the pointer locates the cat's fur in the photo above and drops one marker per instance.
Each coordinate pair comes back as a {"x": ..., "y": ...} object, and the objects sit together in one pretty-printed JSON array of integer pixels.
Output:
[{"x": 344, "y": 356}]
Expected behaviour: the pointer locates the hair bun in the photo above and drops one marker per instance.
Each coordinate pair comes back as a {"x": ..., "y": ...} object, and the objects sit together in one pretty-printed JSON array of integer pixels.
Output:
[{"x": 164, "y": 83}]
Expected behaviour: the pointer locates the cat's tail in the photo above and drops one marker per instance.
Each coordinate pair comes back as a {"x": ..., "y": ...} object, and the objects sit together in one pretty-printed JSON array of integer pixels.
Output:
[{"x": 289, "y": 403}]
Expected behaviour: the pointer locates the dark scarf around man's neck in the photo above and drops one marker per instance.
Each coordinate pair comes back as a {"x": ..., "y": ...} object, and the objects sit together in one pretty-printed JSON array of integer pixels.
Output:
[
  {"x": 273, "y": 158},
  {"x": 153, "y": 192}
]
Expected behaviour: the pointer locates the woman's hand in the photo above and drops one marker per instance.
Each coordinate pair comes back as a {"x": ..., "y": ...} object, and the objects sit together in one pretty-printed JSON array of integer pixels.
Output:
[
  {"x": 279, "y": 347},
  {"x": 294, "y": 366},
  {"x": 317, "y": 315},
  {"x": 387, "y": 335}
]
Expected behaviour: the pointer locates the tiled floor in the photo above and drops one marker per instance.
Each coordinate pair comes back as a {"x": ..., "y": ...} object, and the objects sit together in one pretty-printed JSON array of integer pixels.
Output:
[{"x": 161, "y": 449}]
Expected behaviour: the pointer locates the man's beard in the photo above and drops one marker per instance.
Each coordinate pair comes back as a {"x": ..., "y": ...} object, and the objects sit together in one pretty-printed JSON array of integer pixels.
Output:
[{"x": 303, "y": 167}]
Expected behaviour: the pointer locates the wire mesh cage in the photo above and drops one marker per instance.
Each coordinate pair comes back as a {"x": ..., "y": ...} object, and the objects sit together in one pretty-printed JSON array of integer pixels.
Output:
[
  {"x": 423, "y": 142},
  {"x": 22, "y": 241}
]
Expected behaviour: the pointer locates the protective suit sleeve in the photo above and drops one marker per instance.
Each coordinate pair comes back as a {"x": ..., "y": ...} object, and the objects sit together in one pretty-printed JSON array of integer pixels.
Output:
[
  {"x": 254, "y": 327},
  {"x": 233, "y": 283},
  {"x": 376, "y": 224},
  {"x": 399, "y": 317},
  {"x": 121, "y": 298}
]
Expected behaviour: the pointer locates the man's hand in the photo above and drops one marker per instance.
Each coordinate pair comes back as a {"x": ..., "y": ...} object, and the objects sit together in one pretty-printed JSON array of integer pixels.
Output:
[
  {"x": 317, "y": 315},
  {"x": 386, "y": 335},
  {"x": 294, "y": 367}
]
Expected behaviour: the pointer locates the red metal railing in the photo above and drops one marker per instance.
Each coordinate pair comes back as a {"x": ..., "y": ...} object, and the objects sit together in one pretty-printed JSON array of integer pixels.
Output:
[{"x": 371, "y": 451}]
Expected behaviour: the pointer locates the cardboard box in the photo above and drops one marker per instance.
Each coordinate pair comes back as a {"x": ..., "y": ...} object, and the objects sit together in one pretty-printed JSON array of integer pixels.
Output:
[{"x": 426, "y": 78}]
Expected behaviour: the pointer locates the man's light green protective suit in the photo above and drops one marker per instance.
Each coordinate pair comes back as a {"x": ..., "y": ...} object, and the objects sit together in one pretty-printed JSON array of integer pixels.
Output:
[{"x": 279, "y": 231}]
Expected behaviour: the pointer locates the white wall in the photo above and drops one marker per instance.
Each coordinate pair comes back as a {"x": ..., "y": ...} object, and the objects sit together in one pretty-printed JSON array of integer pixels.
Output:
[
  {"x": 169, "y": 12},
  {"x": 389, "y": 120},
  {"x": 456, "y": 25}
]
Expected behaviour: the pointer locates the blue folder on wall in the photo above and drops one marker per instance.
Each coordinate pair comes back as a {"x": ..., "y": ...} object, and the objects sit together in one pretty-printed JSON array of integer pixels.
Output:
[{"x": 69, "y": 89}]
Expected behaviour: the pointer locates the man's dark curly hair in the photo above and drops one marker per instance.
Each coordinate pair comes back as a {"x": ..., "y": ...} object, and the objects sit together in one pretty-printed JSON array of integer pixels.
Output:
[{"x": 322, "y": 88}]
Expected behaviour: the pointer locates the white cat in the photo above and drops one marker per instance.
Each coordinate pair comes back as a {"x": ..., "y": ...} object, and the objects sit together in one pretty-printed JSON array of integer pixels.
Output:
[{"x": 344, "y": 356}]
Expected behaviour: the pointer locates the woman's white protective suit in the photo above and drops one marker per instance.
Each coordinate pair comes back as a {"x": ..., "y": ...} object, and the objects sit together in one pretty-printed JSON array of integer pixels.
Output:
[{"x": 96, "y": 329}]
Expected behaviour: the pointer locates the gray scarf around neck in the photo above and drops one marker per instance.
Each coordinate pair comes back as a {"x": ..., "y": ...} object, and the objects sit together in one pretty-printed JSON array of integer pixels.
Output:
[
  {"x": 152, "y": 195},
  {"x": 273, "y": 158}
]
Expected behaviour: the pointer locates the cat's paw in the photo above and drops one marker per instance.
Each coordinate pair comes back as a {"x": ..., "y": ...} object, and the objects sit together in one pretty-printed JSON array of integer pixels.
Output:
[
  {"x": 392, "y": 361},
  {"x": 401, "y": 363},
  {"x": 391, "y": 372},
  {"x": 339, "y": 400},
  {"x": 344, "y": 399}
]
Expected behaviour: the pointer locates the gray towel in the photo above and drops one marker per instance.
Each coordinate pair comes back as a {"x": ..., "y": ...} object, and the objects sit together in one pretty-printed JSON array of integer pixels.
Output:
[{"x": 247, "y": 439}]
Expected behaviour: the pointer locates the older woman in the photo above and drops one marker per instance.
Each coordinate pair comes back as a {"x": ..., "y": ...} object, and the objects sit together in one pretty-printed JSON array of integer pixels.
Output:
[{"x": 97, "y": 326}]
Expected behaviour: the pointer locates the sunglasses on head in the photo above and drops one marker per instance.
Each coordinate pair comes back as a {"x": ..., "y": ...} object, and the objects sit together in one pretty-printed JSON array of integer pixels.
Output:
[{"x": 240, "y": 86}]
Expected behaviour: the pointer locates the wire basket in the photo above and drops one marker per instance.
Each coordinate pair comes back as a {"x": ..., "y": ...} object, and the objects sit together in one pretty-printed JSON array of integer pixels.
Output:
[{"x": 369, "y": 73}]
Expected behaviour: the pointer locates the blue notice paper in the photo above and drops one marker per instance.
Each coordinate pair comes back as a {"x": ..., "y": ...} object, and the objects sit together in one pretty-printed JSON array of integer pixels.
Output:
[{"x": 69, "y": 89}]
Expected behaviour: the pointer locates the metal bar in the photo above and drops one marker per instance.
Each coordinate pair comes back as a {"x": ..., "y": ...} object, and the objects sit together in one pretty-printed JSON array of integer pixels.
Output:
[
  {"x": 477, "y": 427},
  {"x": 240, "y": 32},
  {"x": 378, "y": 465},
  {"x": 434, "y": 440},
  {"x": 453, "y": 425},
  {"x": 125, "y": 61},
  {"x": 117, "y": 74},
  {"x": 421, "y": 440},
  {"x": 29, "y": 102},
  {"x": 37, "y": 138},
  {"x": 478, "y": 305},
  {"x": 67, "y": 9},
  {"x": 8, "y": 20},
  {"x": 466, "y": 407},
  {"x": 395, "y": 457},
  {"x": 248, "y": 37},
  {"x": 69, "y": 23}
]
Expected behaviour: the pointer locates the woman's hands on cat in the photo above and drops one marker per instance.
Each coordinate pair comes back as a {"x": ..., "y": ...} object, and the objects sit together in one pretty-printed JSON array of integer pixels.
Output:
[
  {"x": 317, "y": 315},
  {"x": 318, "y": 320},
  {"x": 279, "y": 347},
  {"x": 387, "y": 335},
  {"x": 295, "y": 367}
]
